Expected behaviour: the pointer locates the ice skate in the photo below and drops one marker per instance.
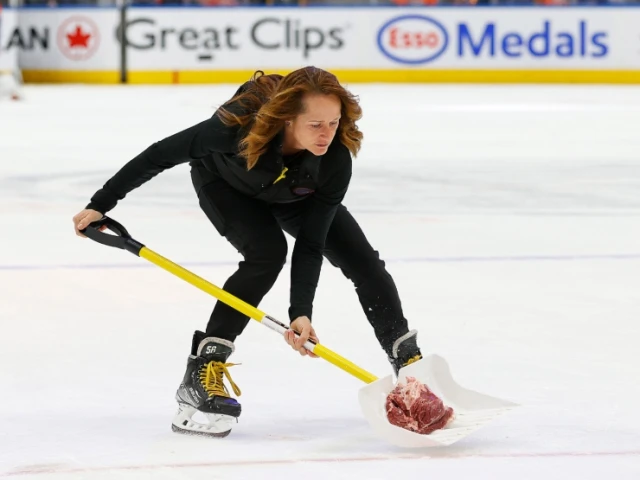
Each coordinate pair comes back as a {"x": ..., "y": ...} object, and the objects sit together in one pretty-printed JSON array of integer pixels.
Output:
[
  {"x": 405, "y": 351},
  {"x": 203, "y": 392},
  {"x": 9, "y": 86}
]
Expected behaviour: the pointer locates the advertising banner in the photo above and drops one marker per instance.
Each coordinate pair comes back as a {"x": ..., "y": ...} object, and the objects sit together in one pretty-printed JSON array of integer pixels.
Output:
[
  {"x": 510, "y": 38},
  {"x": 67, "y": 39},
  {"x": 244, "y": 38},
  {"x": 384, "y": 38},
  {"x": 221, "y": 44}
]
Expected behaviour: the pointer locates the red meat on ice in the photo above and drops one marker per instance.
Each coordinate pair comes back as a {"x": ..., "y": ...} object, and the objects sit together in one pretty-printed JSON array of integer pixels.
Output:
[{"x": 414, "y": 407}]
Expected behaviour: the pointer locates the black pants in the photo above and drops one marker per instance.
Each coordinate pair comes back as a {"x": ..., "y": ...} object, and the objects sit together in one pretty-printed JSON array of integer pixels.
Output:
[{"x": 255, "y": 229}]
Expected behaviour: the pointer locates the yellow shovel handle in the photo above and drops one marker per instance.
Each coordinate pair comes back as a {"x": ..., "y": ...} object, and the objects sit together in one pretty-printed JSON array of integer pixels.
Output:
[{"x": 124, "y": 241}]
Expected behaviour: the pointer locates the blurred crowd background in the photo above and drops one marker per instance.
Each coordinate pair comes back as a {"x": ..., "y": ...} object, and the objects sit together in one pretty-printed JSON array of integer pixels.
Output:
[{"x": 302, "y": 3}]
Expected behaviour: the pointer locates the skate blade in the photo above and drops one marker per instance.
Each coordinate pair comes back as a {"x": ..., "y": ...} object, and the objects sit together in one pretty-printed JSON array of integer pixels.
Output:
[
  {"x": 472, "y": 410},
  {"x": 218, "y": 426}
]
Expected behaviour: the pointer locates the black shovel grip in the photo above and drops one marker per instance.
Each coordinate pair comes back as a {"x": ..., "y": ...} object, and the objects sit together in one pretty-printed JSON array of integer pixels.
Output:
[{"x": 121, "y": 239}]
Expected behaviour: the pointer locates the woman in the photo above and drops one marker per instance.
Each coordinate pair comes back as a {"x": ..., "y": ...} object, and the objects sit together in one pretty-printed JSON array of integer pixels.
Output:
[{"x": 275, "y": 157}]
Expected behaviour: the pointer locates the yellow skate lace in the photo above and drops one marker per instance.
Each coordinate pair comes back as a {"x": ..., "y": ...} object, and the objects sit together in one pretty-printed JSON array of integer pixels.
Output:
[
  {"x": 212, "y": 378},
  {"x": 413, "y": 360}
]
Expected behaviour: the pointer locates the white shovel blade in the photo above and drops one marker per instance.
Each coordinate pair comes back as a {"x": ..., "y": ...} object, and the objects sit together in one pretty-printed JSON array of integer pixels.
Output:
[{"x": 472, "y": 410}]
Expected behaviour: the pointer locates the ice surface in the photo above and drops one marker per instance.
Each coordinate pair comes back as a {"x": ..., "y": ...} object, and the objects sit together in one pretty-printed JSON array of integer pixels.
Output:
[{"x": 509, "y": 217}]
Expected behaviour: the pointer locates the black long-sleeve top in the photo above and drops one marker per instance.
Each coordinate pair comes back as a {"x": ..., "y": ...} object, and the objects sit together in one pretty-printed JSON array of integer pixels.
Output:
[{"x": 215, "y": 146}]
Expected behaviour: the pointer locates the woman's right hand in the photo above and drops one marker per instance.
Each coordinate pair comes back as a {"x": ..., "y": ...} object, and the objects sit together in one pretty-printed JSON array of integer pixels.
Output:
[{"x": 83, "y": 219}]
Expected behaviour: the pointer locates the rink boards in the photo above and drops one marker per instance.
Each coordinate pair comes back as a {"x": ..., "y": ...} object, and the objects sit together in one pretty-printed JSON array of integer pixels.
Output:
[{"x": 225, "y": 45}]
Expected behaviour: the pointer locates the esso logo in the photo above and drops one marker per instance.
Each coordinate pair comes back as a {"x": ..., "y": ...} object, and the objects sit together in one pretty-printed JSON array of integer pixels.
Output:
[{"x": 412, "y": 39}]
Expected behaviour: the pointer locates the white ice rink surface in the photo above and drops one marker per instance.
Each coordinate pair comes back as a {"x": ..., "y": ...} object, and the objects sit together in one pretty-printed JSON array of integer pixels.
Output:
[{"x": 509, "y": 217}]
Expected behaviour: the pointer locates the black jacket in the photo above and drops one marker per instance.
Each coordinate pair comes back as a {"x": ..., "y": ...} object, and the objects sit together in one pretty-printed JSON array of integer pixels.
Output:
[{"x": 214, "y": 145}]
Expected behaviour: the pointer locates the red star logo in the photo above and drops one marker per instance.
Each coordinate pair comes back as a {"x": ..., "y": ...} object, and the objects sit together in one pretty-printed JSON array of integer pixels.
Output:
[{"x": 78, "y": 38}]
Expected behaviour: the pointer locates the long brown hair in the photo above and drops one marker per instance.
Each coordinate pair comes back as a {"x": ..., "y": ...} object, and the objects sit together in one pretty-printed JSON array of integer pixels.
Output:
[{"x": 270, "y": 100}]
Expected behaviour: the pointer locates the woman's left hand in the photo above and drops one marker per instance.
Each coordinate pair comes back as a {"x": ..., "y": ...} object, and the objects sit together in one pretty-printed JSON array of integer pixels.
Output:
[{"x": 301, "y": 325}]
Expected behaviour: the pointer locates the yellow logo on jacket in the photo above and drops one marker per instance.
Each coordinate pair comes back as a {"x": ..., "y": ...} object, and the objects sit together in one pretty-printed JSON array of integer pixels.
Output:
[{"x": 282, "y": 175}]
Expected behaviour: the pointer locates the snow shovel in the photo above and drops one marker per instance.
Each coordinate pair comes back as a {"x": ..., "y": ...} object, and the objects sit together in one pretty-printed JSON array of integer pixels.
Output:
[{"x": 473, "y": 410}]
